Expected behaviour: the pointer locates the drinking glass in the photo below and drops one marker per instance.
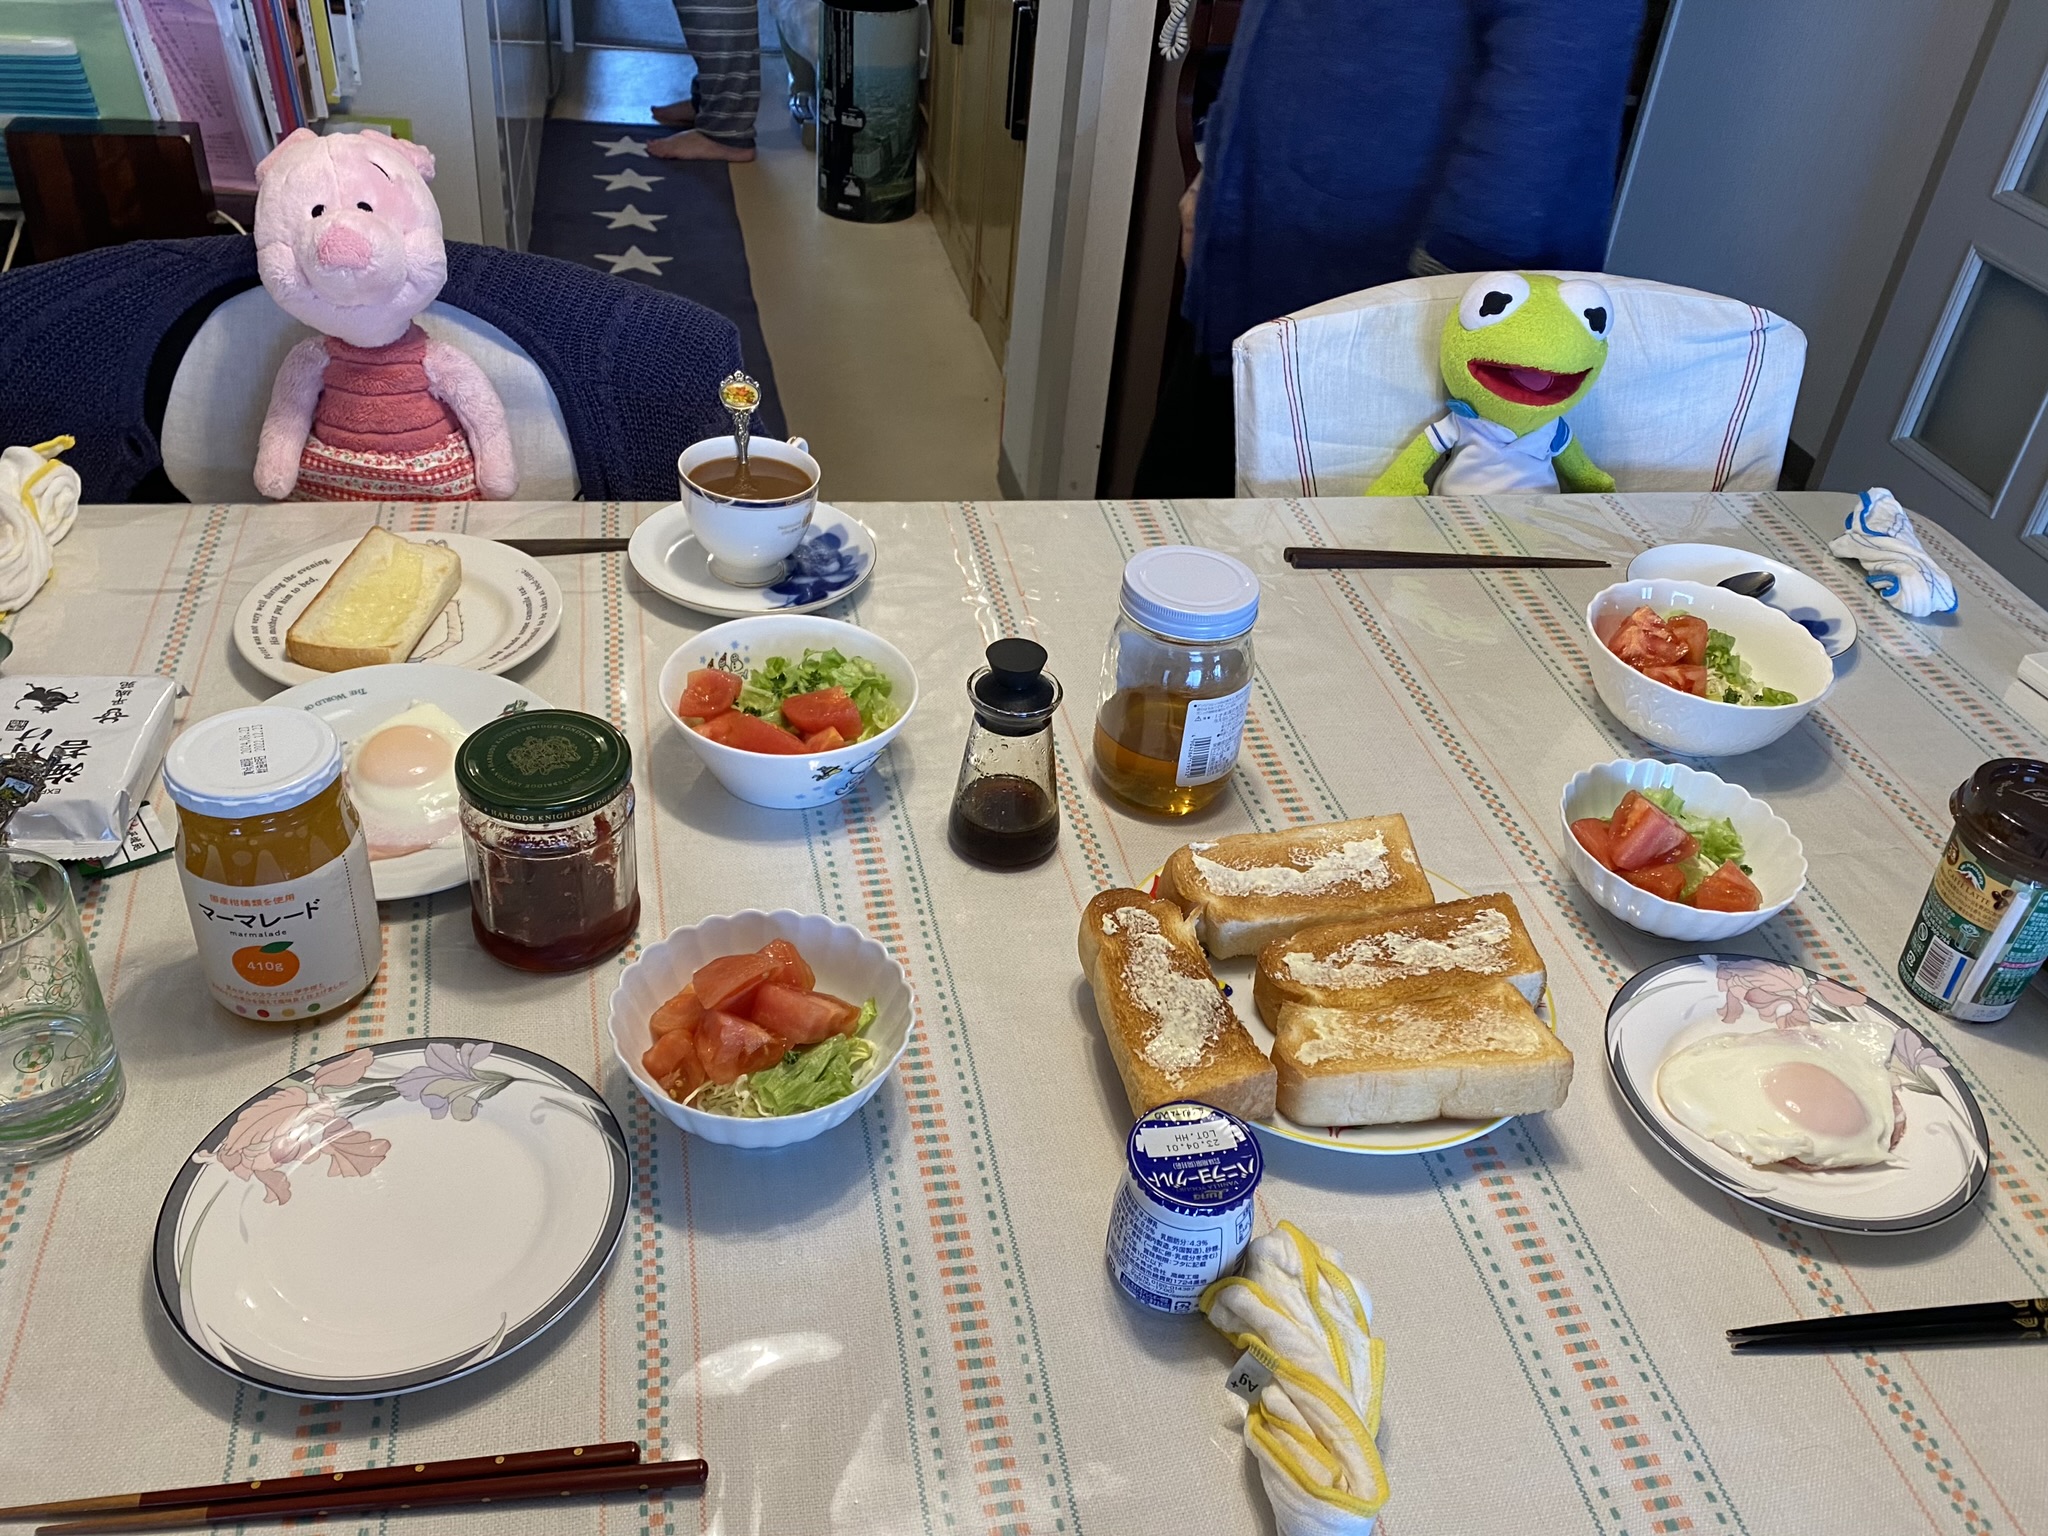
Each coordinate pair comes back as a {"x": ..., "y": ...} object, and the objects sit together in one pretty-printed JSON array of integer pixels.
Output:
[{"x": 60, "y": 1081}]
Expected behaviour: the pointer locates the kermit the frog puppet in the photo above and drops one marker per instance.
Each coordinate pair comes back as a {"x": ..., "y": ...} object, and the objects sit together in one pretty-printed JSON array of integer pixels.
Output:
[{"x": 1521, "y": 350}]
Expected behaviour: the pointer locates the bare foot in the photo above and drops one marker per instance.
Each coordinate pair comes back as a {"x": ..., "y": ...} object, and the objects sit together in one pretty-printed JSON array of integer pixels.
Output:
[
  {"x": 695, "y": 146},
  {"x": 677, "y": 114}
]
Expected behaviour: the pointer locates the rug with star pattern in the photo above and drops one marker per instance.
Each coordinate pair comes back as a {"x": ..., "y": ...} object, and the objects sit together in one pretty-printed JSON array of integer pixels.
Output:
[{"x": 602, "y": 201}]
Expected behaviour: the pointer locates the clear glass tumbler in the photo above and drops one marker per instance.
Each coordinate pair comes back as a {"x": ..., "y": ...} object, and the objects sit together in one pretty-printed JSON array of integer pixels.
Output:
[{"x": 60, "y": 1081}]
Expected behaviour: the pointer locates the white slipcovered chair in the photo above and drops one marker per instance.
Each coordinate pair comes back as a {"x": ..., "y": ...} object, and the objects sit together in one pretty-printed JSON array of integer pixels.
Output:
[{"x": 1697, "y": 393}]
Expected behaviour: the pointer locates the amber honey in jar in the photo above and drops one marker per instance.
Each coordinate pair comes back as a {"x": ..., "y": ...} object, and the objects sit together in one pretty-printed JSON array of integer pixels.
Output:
[
  {"x": 1176, "y": 679},
  {"x": 547, "y": 828},
  {"x": 274, "y": 865}
]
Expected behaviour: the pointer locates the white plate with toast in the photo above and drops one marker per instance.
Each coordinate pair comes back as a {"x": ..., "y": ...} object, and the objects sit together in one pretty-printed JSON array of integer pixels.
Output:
[{"x": 506, "y": 608}]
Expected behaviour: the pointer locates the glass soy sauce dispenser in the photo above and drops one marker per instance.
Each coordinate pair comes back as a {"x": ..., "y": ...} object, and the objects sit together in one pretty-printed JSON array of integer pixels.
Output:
[{"x": 1006, "y": 811}]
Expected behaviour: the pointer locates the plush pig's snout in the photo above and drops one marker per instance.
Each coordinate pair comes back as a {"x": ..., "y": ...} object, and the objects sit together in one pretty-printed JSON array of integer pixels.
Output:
[{"x": 342, "y": 249}]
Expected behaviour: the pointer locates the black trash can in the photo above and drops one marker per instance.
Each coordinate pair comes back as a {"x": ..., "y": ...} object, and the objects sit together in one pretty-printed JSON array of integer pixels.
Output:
[{"x": 867, "y": 109}]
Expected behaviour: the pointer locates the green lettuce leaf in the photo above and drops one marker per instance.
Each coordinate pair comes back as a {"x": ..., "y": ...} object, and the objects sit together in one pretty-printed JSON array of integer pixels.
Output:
[
  {"x": 818, "y": 1075},
  {"x": 779, "y": 678},
  {"x": 1729, "y": 678},
  {"x": 1719, "y": 841}
]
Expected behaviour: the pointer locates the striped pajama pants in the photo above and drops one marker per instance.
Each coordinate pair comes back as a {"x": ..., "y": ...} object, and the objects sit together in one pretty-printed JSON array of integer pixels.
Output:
[{"x": 724, "y": 37}]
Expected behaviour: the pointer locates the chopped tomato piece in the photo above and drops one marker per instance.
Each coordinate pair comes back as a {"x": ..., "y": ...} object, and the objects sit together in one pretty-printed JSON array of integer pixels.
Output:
[
  {"x": 1682, "y": 676},
  {"x": 750, "y": 733},
  {"x": 801, "y": 1018},
  {"x": 1644, "y": 639},
  {"x": 1685, "y": 850},
  {"x": 673, "y": 1058},
  {"x": 1642, "y": 834},
  {"x": 680, "y": 1012},
  {"x": 827, "y": 740},
  {"x": 1596, "y": 838},
  {"x": 1728, "y": 889},
  {"x": 730, "y": 1046},
  {"x": 1690, "y": 631},
  {"x": 809, "y": 713},
  {"x": 1666, "y": 880},
  {"x": 707, "y": 692},
  {"x": 791, "y": 969},
  {"x": 730, "y": 980}
]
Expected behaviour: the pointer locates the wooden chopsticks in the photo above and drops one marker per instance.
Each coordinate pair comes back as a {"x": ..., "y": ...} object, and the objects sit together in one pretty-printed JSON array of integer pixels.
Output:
[
  {"x": 566, "y": 546},
  {"x": 1981, "y": 1322},
  {"x": 558, "y": 1473},
  {"x": 1306, "y": 558}
]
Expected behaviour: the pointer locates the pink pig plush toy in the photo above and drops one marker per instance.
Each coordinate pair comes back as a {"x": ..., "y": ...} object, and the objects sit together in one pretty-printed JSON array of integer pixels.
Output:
[{"x": 348, "y": 239}]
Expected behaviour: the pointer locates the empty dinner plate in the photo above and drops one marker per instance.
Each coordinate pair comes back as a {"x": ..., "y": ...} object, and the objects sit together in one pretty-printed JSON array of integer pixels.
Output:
[
  {"x": 1937, "y": 1162},
  {"x": 836, "y": 556},
  {"x": 392, "y": 1218},
  {"x": 1796, "y": 595}
]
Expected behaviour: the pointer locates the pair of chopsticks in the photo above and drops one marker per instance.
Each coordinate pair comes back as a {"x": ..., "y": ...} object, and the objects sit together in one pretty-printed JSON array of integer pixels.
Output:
[
  {"x": 1305, "y": 558},
  {"x": 566, "y": 546},
  {"x": 561, "y": 1473},
  {"x": 1980, "y": 1322}
]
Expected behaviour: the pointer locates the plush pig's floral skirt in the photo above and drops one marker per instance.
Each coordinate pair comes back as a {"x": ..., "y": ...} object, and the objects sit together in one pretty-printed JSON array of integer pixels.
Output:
[{"x": 446, "y": 471}]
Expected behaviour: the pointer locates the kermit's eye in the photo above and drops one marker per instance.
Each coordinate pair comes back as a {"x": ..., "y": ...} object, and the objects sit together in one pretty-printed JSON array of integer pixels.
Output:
[
  {"x": 1588, "y": 300},
  {"x": 1492, "y": 299}
]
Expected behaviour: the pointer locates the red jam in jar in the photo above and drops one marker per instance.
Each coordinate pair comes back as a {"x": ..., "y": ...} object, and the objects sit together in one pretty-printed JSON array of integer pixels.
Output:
[{"x": 547, "y": 827}]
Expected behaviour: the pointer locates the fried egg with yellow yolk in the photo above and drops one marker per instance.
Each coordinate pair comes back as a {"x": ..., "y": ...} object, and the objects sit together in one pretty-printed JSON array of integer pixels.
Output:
[
  {"x": 401, "y": 777},
  {"x": 1804, "y": 1096}
]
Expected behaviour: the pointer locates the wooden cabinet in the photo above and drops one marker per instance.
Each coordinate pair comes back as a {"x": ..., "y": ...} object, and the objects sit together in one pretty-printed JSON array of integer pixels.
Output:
[{"x": 974, "y": 164}]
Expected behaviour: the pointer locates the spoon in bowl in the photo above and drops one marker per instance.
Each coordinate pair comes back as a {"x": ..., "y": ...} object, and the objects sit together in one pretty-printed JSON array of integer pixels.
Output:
[{"x": 1750, "y": 583}]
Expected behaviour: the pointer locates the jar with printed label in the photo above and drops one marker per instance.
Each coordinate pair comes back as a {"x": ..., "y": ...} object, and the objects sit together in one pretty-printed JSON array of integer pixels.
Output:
[
  {"x": 274, "y": 866},
  {"x": 1176, "y": 679}
]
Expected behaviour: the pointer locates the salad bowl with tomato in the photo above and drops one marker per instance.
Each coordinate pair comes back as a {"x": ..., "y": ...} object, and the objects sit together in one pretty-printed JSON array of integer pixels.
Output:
[
  {"x": 1669, "y": 658},
  {"x": 1678, "y": 851},
  {"x": 788, "y": 711}
]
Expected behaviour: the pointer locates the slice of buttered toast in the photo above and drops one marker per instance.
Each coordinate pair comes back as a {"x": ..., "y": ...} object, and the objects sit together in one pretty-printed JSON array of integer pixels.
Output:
[
  {"x": 1474, "y": 1054},
  {"x": 376, "y": 605},
  {"x": 1169, "y": 1027},
  {"x": 1247, "y": 890},
  {"x": 1399, "y": 956}
]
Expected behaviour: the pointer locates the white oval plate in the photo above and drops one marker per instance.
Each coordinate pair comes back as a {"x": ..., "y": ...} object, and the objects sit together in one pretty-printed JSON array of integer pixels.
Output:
[
  {"x": 1938, "y": 1165},
  {"x": 837, "y": 555},
  {"x": 1238, "y": 974},
  {"x": 1797, "y": 595},
  {"x": 357, "y": 702},
  {"x": 507, "y": 607},
  {"x": 392, "y": 1218}
]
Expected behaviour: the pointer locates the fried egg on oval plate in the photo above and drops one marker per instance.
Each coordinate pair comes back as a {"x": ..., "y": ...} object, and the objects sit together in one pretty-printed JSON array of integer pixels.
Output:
[
  {"x": 401, "y": 777},
  {"x": 1783, "y": 1096}
]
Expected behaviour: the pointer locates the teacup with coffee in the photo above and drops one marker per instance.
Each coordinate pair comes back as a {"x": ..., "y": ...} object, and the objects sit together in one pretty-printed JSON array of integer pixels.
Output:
[{"x": 749, "y": 517}]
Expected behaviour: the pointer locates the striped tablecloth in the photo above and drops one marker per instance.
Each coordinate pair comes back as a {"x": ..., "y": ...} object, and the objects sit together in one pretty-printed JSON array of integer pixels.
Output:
[{"x": 905, "y": 1326}]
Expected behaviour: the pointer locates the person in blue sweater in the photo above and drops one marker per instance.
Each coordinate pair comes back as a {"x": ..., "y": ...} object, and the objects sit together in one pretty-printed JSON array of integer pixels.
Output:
[{"x": 1358, "y": 143}]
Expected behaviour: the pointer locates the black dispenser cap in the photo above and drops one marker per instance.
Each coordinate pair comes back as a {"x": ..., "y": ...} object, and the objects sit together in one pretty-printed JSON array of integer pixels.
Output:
[{"x": 1014, "y": 692}]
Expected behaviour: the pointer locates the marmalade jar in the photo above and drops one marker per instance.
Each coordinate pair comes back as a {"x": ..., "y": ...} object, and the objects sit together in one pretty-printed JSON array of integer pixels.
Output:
[
  {"x": 1176, "y": 679},
  {"x": 274, "y": 866},
  {"x": 547, "y": 829}
]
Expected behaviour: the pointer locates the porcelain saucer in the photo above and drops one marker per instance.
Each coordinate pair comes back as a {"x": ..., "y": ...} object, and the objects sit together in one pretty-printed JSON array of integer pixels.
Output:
[{"x": 836, "y": 556}]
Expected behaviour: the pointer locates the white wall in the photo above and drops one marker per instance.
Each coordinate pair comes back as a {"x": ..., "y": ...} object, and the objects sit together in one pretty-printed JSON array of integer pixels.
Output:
[
  {"x": 417, "y": 63},
  {"x": 1783, "y": 150}
]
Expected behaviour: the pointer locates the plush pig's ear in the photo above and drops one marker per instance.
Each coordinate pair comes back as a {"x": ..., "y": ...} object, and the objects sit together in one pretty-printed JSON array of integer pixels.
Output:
[
  {"x": 269, "y": 162},
  {"x": 422, "y": 158}
]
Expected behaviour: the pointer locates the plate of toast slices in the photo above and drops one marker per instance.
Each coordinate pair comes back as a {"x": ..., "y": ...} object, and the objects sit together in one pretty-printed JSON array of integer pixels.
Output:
[
  {"x": 1311, "y": 983},
  {"x": 392, "y": 597}
]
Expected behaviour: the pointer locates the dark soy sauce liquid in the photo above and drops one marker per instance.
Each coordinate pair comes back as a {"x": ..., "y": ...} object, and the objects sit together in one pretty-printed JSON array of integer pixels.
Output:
[
  {"x": 761, "y": 480},
  {"x": 1004, "y": 821}
]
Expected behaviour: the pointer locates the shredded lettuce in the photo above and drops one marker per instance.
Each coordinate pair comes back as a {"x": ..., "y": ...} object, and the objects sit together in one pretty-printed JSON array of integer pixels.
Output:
[
  {"x": 1719, "y": 841},
  {"x": 779, "y": 678},
  {"x": 1729, "y": 678},
  {"x": 807, "y": 1078}
]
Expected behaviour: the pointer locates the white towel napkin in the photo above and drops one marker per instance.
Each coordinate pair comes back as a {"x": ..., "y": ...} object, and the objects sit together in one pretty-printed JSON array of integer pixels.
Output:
[
  {"x": 1313, "y": 1426},
  {"x": 38, "y": 505},
  {"x": 1880, "y": 536}
]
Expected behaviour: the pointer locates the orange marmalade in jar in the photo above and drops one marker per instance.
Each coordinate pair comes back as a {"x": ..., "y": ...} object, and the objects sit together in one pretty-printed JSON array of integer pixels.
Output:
[{"x": 274, "y": 865}]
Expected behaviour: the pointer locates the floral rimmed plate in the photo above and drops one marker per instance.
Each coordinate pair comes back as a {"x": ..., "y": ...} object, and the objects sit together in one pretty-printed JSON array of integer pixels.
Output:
[
  {"x": 392, "y": 1218},
  {"x": 1936, "y": 1167},
  {"x": 836, "y": 556}
]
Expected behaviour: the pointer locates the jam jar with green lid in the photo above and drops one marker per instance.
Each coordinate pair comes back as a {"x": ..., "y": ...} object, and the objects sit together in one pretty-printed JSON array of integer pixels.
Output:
[{"x": 547, "y": 827}]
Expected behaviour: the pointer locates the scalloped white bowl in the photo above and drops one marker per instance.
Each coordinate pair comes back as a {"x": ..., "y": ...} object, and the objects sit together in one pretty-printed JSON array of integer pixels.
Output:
[
  {"x": 804, "y": 779},
  {"x": 1776, "y": 860},
  {"x": 1780, "y": 653},
  {"x": 848, "y": 964}
]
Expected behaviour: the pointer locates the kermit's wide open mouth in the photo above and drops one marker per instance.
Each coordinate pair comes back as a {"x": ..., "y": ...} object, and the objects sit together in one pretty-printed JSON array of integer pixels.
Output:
[{"x": 1527, "y": 386}]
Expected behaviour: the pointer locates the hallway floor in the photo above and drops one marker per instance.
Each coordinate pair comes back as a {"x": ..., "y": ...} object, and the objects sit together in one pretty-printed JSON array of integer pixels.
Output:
[{"x": 879, "y": 364}]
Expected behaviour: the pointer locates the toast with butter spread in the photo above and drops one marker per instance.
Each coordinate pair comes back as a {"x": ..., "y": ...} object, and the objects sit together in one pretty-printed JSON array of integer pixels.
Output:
[
  {"x": 1247, "y": 890},
  {"x": 1403, "y": 955},
  {"x": 1173, "y": 1034}
]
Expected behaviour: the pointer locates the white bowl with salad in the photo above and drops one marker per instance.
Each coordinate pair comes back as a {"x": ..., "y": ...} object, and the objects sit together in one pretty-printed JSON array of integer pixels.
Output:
[
  {"x": 1678, "y": 851},
  {"x": 1701, "y": 670},
  {"x": 806, "y": 1018},
  {"x": 788, "y": 711}
]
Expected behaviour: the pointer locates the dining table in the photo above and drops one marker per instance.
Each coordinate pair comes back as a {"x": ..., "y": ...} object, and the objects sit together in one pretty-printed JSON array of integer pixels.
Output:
[{"x": 905, "y": 1326}]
